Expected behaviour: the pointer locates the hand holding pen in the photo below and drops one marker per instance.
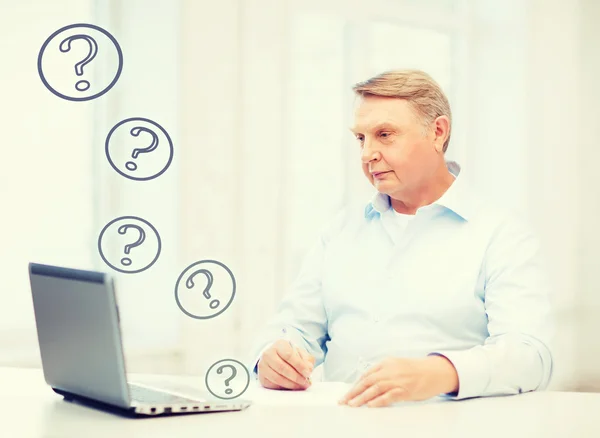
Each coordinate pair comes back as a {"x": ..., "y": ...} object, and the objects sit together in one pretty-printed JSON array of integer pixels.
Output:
[{"x": 285, "y": 365}]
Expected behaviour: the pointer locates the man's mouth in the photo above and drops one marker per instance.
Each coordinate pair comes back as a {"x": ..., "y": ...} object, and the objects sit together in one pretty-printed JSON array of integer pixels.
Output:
[{"x": 378, "y": 175}]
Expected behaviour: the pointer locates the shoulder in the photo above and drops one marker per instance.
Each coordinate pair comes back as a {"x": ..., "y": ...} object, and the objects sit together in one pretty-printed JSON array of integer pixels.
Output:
[
  {"x": 499, "y": 219},
  {"x": 511, "y": 238}
]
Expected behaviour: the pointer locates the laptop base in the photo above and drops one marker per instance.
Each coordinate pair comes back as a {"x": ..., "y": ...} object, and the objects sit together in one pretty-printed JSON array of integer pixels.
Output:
[{"x": 144, "y": 411}]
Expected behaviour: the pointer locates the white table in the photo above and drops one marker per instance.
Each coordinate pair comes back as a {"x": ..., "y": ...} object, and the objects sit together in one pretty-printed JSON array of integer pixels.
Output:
[{"x": 29, "y": 408}]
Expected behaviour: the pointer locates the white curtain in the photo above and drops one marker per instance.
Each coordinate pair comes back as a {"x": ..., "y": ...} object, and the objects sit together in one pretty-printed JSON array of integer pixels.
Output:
[{"x": 46, "y": 184}]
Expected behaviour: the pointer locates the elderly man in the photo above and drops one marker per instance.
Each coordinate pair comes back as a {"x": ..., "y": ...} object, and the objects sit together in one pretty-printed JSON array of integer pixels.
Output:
[{"x": 430, "y": 289}]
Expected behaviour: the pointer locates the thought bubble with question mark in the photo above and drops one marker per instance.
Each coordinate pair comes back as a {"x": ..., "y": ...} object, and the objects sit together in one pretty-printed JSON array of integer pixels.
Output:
[
  {"x": 131, "y": 165},
  {"x": 203, "y": 287},
  {"x": 227, "y": 379},
  {"x": 65, "y": 46},
  {"x": 139, "y": 149},
  {"x": 228, "y": 391},
  {"x": 206, "y": 292},
  {"x": 129, "y": 244},
  {"x": 67, "y": 58},
  {"x": 126, "y": 261}
]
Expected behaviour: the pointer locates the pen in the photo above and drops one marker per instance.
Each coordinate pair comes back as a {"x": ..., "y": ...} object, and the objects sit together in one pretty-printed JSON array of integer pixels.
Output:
[{"x": 287, "y": 337}]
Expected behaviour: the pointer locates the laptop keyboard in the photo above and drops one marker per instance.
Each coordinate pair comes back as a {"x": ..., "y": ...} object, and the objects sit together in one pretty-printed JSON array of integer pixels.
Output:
[{"x": 144, "y": 395}]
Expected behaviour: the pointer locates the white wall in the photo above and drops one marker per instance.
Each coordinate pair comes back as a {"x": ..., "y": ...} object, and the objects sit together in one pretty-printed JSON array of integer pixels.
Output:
[
  {"x": 554, "y": 154},
  {"x": 587, "y": 301}
]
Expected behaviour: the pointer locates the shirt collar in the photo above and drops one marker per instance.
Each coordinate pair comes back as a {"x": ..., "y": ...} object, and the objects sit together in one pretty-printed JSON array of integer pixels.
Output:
[{"x": 454, "y": 198}]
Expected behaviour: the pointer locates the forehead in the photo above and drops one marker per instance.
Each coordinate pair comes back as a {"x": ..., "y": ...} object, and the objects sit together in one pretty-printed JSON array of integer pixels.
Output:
[{"x": 371, "y": 111}]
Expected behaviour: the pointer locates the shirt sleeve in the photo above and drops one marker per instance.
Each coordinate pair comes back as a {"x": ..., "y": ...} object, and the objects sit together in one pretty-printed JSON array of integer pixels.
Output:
[
  {"x": 301, "y": 317},
  {"x": 516, "y": 357}
]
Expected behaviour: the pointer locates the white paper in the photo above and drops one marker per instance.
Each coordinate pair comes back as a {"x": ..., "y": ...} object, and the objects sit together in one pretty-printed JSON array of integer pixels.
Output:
[{"x": 319, "y": 394}]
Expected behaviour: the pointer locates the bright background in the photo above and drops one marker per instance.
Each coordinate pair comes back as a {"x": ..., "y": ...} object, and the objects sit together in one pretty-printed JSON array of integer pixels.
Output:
[{"x": 256, "y": 97}]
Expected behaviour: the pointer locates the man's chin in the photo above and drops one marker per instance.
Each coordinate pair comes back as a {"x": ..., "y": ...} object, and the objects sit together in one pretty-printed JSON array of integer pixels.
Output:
[{"x": 383, "y": 187}]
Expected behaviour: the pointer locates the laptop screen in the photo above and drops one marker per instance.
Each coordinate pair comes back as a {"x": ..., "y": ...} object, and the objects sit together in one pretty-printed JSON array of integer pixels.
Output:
[{"x": 78, "y": 332}]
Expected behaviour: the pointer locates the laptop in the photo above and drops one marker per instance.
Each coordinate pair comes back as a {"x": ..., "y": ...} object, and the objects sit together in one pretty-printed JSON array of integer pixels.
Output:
[{"x": 79, "y": 334}]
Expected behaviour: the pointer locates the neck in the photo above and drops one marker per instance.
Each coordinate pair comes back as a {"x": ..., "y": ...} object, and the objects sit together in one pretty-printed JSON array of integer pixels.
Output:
[{"x": 435, "y": 187}]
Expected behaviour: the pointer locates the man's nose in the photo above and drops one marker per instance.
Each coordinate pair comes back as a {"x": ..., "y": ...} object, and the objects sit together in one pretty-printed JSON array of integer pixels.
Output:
[{"x": 369, "y": 153}]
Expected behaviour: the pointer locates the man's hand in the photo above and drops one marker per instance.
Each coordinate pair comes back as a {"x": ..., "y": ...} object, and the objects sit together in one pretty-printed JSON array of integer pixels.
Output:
[
  {"x": 397, "y": 379},
  {"x": 284, "y": 366}
]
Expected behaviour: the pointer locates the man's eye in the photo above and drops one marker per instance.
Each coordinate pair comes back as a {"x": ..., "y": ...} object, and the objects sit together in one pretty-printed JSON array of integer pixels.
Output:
[
  {"x": 360, "y": 138},
  {"x": 385, "y": 134}
]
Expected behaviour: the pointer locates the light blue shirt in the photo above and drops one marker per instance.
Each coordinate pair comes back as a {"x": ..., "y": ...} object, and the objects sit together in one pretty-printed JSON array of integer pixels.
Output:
[{"x": 462, "y": 278}]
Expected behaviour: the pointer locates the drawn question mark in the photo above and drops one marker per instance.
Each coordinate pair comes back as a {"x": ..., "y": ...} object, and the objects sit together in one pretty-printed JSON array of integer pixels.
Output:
[
  {"x": 130, "y": 165},
  {"x": 82, "y": 85},
  {"x": 126, "y": 261},
  {"x": 233, "y": 374},
  {"x": 209, "y": 277}
]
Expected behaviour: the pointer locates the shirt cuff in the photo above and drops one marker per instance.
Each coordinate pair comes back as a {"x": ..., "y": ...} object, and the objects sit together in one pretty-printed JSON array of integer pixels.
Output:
[
  {"x": 255, "y": 365},
  {"x": 473, "y": 371}
]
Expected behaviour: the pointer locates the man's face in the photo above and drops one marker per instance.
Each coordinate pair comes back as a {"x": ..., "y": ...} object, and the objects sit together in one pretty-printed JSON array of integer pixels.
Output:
[{"x": 397, "y": 156}]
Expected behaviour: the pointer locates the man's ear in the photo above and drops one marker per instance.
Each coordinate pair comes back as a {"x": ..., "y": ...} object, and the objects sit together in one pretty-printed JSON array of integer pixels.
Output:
[{"x": 441, "y": 131}]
